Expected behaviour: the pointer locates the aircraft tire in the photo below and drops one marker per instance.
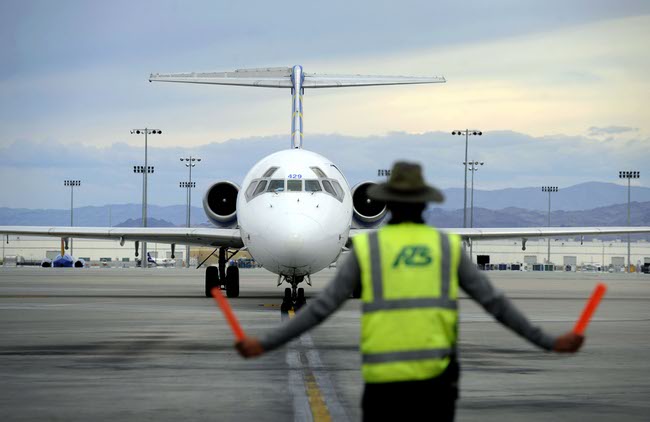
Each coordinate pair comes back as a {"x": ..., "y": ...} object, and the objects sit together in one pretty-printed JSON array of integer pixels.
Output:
[
  {"x": 287, "y": 303},
  {"x": 232, "y": 281},
  {"x": 300, "y": 299},
  {"x": 211, "y": 280}
]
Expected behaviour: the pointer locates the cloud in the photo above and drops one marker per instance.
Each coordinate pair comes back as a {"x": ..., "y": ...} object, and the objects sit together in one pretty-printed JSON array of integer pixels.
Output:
[
  {"x": 79, "y": 73},
  {"x": 33, "y": 172},
  {"x": 611, "y": 130}
]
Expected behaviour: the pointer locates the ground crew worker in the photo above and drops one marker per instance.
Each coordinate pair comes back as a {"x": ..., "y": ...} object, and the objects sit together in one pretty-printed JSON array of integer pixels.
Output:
[{"x": 409, "y": 274}]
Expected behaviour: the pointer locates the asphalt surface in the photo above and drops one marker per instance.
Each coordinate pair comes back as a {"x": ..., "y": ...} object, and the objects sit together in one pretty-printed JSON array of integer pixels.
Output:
[{"x": 128, "y": 344}]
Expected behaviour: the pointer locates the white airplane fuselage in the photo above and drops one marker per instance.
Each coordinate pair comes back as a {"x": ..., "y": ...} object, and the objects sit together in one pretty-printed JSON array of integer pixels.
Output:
[{"x": 294, "y": 220}]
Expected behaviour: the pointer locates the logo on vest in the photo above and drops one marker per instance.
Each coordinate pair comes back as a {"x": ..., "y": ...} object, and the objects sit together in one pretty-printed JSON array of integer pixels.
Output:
[{"x": 414, "y": 256}]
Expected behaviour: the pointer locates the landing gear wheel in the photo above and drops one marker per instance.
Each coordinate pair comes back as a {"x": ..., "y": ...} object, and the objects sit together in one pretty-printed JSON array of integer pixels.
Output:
[
  {"x": 211, "y": 280},
  {"x": 300, "y": 299},
  {"x": 287, "y": 302},
  {"x": 232, "y": 281}
]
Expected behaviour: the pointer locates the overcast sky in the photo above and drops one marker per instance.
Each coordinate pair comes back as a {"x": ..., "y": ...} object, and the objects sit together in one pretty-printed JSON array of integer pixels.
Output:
[{"x": 559, "y": 88}]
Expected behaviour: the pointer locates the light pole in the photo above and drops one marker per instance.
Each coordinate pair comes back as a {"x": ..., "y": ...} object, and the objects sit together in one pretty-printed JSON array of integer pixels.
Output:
[
  {"x": 467, "y": 133},
  {"x": 629, "y": 175},
  {"x": 145, "y": 132},
  {"x": 189, "y": 163},
  {"x": 550, "y": 190},
  {"x": 473, "y": 168},
  {"x": 137, "y": 170},
  {"x": 188, "y": 196},
  {"x": 72, "y": 184}
]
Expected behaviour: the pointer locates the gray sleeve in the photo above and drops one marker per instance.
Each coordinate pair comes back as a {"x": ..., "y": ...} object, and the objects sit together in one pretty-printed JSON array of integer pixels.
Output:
[
  {"x": 348, "y": 277},
  {"x": 479, "y": 288}
]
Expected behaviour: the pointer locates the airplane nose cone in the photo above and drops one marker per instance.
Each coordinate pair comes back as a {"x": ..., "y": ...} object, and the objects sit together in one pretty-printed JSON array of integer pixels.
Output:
[{"x": 300, "y": 239}]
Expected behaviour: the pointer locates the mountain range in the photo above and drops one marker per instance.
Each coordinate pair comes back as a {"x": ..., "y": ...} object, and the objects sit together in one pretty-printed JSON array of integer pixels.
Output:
[
  {"x": 587, "y": 204},
  {"x": 584, "y": 196}
]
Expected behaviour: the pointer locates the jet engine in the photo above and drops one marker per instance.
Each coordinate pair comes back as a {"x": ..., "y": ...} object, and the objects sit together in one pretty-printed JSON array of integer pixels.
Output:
[
  {"x": 366, "y": 212},
  {"x": 220, "y": 203}
]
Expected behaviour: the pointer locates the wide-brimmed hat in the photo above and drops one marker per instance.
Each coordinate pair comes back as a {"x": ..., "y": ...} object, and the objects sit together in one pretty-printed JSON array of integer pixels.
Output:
[{"x": 405, "y": 184}]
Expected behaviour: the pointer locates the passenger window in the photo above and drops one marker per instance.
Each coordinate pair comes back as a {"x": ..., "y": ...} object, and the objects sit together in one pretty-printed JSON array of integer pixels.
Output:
[
  {"x": 328, "y": 187},
  {"x": 276, "y": 185},
  {"x": 294, "y": 185},
  {"x": 339, "y": 189},
  {"x": 319, "y": 172},
  {"x": 260, "y": 188},
  {"x": 270, "y": 172},
  {"x": 312, "y": 186},
  {"x": 250, "y": 189}
]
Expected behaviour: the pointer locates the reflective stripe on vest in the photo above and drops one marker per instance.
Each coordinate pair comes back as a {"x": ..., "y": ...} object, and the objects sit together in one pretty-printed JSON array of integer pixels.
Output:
[{"x": 409, "y": 330}]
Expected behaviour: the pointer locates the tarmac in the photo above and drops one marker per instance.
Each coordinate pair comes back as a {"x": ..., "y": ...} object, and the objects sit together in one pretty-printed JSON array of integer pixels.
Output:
[{"x": 133, "y": 345}]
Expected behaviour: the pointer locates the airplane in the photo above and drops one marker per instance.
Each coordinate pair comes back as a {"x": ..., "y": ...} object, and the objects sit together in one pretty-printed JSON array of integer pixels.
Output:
[
  {"x": 63, "y": 260},
  {"x": 157, "y": 262},
  {"x": 295, "y": 211}
]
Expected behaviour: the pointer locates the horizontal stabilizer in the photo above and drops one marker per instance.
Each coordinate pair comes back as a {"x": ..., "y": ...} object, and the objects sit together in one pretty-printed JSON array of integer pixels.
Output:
[
  {"x": 275, "y": 77},
  {"x": 280, "y": 77},
  {"x": 315, "y": 80}
]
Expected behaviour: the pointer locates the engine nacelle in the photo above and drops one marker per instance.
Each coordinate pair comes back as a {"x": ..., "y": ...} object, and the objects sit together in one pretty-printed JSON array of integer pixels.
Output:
[
  {"x": 220, "y": 203},
  {"x": 366, "y": 212}
]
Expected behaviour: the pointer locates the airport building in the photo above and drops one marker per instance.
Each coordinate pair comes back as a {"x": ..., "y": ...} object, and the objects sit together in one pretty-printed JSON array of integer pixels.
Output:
[
  {"x": 591, "y": 255},
  {"x": 28, "y": 250}
]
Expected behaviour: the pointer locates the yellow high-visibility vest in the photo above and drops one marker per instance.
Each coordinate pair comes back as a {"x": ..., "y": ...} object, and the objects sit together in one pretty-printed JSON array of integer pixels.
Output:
[{"x": 409, "y": 280}]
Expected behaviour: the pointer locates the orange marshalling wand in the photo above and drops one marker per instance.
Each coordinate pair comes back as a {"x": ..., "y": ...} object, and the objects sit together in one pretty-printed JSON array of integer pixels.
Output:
[
  {"x": 590, "y": 308},
  {"x": 228, "y": 313}
]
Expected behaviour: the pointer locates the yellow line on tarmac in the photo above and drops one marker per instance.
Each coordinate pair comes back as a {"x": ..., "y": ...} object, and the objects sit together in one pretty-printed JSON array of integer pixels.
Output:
[{"x": 316, "y": 402}]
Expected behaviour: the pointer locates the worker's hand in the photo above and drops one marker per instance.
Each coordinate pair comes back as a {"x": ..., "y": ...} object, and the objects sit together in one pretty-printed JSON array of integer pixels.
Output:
[
  {"x": 249, "y": 347},
  {"x": 568, "y": 343}
]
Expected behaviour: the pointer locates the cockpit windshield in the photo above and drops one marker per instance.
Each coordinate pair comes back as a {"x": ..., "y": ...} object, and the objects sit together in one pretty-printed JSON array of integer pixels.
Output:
[
  {"x": 312, "y": 186},
  {"x": 276, "y": 185},
  {"x": 292, "y": 184}
]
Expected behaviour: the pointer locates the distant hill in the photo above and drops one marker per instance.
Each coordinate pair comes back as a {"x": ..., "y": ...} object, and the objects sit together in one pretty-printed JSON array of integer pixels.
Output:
[
  {"x": 104, "y": 216},
  {"x": 613, "y": 215},
  {"x": 584, "y": 196},
  {"x": 151, "y": 222},
  {"x": 586, "y": 204}
]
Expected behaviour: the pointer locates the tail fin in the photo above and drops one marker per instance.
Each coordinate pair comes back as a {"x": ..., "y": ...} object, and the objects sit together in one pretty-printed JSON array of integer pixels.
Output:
[{"x": 290, "y": 77}]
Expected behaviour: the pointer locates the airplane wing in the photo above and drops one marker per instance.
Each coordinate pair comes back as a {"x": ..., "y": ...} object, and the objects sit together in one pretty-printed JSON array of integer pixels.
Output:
[
  {"x": 184, "y": 236},
  {"x": 529, "y": 232},
  {"x": 280, "y": 77}
]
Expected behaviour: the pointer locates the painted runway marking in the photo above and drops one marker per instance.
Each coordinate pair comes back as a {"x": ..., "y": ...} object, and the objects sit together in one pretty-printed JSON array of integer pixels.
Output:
[{"x": 317, "y": 390}]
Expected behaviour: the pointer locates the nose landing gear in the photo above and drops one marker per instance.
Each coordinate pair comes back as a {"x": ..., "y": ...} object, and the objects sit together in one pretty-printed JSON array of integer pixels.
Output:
[{"x": 294, "y": 297}]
